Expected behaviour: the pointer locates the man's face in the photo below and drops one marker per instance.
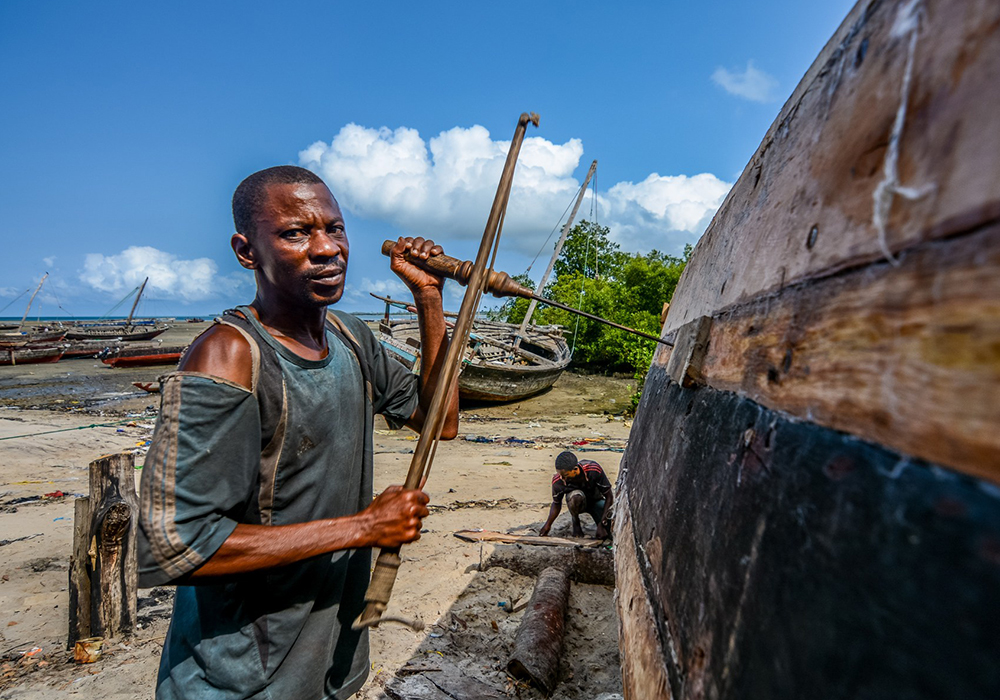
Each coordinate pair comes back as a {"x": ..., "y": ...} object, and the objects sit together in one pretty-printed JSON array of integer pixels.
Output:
[
  {"x": 299, "y": 246},
  {"x": 570, "y": 474}
]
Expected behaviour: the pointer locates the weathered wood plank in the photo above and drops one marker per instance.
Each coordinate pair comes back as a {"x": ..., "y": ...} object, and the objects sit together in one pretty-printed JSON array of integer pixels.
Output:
[
  {"x": 782, "y": 557},
  {"x": 539, "y": 641},
  {"x": 79, "y": 574},
  {"x": 905, "y": 356},
  {"x": 803, "y": 206}
]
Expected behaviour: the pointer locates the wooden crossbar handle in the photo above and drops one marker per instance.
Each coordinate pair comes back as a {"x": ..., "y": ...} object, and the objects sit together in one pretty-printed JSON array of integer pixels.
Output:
[{"x": 499, "y": 284}]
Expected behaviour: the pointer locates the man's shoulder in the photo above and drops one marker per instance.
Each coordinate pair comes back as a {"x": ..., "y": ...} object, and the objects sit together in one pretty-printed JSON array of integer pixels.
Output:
[
  {"x": 221, "y": 351},
  {"x": 589, "y": 465}
]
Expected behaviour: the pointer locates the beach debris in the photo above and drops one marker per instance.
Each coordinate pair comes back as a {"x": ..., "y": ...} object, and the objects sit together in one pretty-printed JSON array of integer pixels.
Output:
[
  {"x": 4, "y": 543},
  {"x": 87, "y": 651},
  {"x": 486, "y": 505}
]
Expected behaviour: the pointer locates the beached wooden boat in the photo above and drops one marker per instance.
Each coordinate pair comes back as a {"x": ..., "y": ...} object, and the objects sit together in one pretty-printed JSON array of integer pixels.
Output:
[
  {"x": 24, "y": 339},
  {"x": 116, "y": 332},
  {"x": 30, "y": 356},
  {"x": 494, "y": 369},
  {"x": 809, "y": 505},
  {"x": 142, "y": 356}
]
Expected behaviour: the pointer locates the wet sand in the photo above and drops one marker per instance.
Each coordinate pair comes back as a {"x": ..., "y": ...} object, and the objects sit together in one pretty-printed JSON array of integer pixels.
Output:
[{"x": 480, "y": 480}]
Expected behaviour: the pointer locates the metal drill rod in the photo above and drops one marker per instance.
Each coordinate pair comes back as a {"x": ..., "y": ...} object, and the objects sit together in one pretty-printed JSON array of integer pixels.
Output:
[{"x": 592, "y": 317}]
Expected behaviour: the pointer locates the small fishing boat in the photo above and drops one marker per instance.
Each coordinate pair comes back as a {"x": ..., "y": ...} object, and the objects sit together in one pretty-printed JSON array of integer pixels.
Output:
[
  {"x": 142, "y": 356},
  {"x": 494, "y": 368},
  {"x": 499, "y": 366},
  {"x": 25, "y": 339},
  {"x": 30, "y": 356}
]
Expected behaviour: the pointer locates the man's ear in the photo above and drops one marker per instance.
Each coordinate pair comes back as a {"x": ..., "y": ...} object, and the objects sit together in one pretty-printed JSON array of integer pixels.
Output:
[{"x": 244, "y": 251}]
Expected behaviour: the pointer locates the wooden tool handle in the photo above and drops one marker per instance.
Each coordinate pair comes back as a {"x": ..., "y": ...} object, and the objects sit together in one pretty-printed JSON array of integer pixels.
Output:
[{"x": 499, "y": 284}]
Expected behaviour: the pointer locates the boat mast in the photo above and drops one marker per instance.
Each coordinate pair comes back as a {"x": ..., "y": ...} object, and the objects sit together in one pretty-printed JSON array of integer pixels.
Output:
[
  {"x": 32, "y": 299},
  {"x": 555, "y": 255},
  {"x": 128, "y": 323}
]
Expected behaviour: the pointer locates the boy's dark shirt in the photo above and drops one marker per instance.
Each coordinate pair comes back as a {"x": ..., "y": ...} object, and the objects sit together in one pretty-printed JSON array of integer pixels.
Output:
[{"x": 595, "y": 484}]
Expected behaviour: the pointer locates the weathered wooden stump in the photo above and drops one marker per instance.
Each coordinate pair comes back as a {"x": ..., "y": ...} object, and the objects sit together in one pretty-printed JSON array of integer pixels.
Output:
[
  {"x": 539, "y": 640},
  {"x": 103, "y": 568}
]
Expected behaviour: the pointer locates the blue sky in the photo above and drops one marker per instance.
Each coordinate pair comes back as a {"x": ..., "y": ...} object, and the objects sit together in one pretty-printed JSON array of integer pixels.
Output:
[{"x": 125, "y": 128}]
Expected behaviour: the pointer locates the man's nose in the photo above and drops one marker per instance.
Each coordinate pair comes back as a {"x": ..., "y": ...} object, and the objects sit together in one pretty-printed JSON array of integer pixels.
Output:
[{"x": 323, "y": 245}]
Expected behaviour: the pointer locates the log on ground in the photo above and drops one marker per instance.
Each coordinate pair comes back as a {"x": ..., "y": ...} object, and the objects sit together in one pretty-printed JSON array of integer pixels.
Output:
[{"x": 539, "y": 641}]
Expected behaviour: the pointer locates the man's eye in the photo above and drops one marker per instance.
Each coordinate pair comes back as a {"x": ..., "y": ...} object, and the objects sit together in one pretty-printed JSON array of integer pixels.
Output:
[{"x": 293, "y": 233}]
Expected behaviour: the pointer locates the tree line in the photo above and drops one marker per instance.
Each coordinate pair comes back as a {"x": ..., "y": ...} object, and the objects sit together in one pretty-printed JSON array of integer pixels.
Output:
[{"x": 594, "y": 275}]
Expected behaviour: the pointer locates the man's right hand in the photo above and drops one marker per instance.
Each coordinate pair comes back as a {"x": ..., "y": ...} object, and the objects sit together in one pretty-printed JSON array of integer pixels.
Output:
[
  {"x": 544, "y": 532},
  {"x": 396, "y": 516}
]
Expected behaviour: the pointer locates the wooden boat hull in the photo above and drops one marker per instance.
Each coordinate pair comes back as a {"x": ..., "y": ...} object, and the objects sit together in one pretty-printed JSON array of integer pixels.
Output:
[
  {"x": 490, "y": 381},
  {"x": 27, "y": 340},
  {"x": 809, "y": 503},
  {"x": 30, "y": 356},
  {"x": 115, "y": 333},
  {"x": 143, "y": 357}
]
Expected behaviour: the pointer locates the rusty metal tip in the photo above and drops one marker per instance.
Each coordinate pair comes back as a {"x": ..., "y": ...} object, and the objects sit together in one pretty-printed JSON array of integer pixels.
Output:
[{"x": 534, "y": 118}]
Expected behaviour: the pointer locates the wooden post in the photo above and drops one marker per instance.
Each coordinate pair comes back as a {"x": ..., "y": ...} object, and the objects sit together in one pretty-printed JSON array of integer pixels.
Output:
[
  {"x": 79, "y": 574},
  {"x": 104, "y": 569},
  {"x": 539, "y": 640}
]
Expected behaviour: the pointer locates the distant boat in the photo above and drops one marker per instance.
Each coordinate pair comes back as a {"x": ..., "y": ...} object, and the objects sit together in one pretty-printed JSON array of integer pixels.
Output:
[
  {"x": 121, "y": 331},
  {"x": 13, "y": 337},
  {"x": 29, "y": 356},
  {"x": 143, "y": 356},
  {"x": 30, "y": 339}
]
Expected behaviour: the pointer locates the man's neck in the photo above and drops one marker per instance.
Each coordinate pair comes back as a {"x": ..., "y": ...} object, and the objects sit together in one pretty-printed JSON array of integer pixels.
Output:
[{"x": 301, "y": 330}]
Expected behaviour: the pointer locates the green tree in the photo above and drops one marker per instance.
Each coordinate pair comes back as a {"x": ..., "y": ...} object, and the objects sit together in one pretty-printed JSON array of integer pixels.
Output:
[{"x": 588, "y": 250}]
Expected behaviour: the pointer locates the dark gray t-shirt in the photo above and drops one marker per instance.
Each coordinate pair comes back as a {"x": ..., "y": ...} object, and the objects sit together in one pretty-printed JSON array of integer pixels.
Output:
[{"x": 283, "y": 633}]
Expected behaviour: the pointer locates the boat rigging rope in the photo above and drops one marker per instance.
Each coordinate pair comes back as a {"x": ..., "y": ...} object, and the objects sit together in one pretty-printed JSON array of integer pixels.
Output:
[
  {"x": 64, "y": 430},
  {"x": 15, "y": 299},
  {"x": 554, "y": 228}
]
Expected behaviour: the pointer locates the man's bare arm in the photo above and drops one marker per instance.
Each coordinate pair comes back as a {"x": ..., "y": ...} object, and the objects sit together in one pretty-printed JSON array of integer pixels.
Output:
[
  {"x": 393, "y": 519},
  {"x": 553, "y": 514},
  {"x": 426, "y": 289}
]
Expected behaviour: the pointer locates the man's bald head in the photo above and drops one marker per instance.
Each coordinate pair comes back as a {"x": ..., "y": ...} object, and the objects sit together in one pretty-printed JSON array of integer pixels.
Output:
[{"x": 252, "y": 192}]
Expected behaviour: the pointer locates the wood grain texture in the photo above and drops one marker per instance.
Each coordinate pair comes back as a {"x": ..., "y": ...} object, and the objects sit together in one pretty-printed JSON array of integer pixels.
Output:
[
  {"x": 538, "y": 644},
  {"x": 908, "y": 356},
  {"x": 822, "y": 158},
  {"x": 114, "y": 576},
  {"x": 79, "y": 574}
]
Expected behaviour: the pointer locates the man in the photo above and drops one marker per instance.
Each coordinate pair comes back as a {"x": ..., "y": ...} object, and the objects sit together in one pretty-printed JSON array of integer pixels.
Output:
[
  {"x": 587, "y": 490},
  {"x": 256, "y": 492}
]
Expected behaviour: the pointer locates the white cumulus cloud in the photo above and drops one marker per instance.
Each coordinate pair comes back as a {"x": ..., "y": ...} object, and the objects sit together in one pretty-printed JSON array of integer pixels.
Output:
[
  {"x": 169, "y": 276},
  {"x": 444, "y": 187},
  {"x": 751, "y": 84}
]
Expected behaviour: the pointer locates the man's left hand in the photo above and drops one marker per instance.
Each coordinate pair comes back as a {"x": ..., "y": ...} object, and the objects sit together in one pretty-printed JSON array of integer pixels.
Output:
[
  {"x": 602, "y": 532},
  {"x": 416, "y": 278}
]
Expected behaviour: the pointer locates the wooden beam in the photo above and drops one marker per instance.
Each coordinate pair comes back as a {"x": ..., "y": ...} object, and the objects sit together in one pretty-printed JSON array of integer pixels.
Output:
[{"x": 803, "y": 207}]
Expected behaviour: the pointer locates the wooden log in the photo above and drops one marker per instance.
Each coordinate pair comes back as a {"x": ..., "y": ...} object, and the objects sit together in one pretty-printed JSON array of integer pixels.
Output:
[
  {"x": 581, "y": 564},
  {"x": 79, "y": 574},
  {"x": 539, "y": 641},
  {"x": 114, "y": 578}
]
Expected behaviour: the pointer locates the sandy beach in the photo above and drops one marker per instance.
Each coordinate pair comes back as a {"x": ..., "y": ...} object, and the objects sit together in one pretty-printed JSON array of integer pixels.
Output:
[{"x": 495, "y": 476}]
